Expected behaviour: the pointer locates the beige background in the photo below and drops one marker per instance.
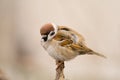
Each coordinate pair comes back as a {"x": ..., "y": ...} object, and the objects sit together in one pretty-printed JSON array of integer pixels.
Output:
[{"x": 23, "y": 58}]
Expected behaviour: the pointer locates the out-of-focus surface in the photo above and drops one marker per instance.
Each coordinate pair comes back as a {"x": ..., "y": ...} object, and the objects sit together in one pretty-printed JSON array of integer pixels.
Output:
[{"x": 23, "y": 58}]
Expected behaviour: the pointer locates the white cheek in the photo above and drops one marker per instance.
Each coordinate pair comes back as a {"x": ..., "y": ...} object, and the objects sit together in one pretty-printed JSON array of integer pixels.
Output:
[
  {"x": 50, "y": 37},
  {"x": 42, "y": 42}
]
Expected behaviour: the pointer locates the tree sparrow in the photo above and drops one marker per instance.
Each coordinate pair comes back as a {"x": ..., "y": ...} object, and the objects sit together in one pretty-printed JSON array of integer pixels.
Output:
[{"x": 63, "y": 43}]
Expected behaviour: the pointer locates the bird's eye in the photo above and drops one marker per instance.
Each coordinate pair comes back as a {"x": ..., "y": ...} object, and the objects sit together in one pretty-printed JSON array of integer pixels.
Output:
[
  {"x": 44, "y": 37},
  {"x": 52, "y": 33}
]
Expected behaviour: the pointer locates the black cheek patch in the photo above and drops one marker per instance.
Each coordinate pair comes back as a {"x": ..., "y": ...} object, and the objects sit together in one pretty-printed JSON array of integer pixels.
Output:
[{"x": 52, "y": 33}]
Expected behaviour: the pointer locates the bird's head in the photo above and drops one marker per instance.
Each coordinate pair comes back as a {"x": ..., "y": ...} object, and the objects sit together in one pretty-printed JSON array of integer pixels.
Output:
[{"x": 48, "y": 31}]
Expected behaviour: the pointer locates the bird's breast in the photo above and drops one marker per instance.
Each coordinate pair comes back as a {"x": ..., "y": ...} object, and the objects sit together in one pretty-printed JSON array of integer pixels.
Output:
[{"x": 58, "y": 52}]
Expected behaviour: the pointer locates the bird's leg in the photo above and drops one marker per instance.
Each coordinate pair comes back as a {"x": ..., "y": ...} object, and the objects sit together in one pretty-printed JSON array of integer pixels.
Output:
[{"x": 59, "y": 70}]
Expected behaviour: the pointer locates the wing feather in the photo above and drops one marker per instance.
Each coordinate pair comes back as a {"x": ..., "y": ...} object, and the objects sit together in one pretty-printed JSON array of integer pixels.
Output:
[
  {"x": 72, "y": 40},
  {"x": 67, "y": 33}
]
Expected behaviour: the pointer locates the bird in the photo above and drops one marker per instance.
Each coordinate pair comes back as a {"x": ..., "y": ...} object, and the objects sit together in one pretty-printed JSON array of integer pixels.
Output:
[{"x": 63, "y": 43}]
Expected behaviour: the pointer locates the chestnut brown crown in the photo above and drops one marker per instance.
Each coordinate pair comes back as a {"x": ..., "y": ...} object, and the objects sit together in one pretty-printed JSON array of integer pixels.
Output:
[{"x": 46, "y": 29}]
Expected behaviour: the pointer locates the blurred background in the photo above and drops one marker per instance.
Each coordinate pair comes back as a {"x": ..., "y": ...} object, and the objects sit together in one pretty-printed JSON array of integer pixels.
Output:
[{"x": 23, "y": 58}]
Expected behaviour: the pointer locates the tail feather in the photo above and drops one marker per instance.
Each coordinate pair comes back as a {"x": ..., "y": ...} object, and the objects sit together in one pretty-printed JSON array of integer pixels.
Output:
[
  {"x": 85, "y": 50},
  {"x": 98, "y": 54}
]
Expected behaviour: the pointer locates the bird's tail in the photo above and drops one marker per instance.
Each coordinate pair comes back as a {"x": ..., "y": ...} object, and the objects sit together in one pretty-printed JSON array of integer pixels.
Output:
[
  {"x": 96, "y": 53},
  {"x": 86, "y": 50}
]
